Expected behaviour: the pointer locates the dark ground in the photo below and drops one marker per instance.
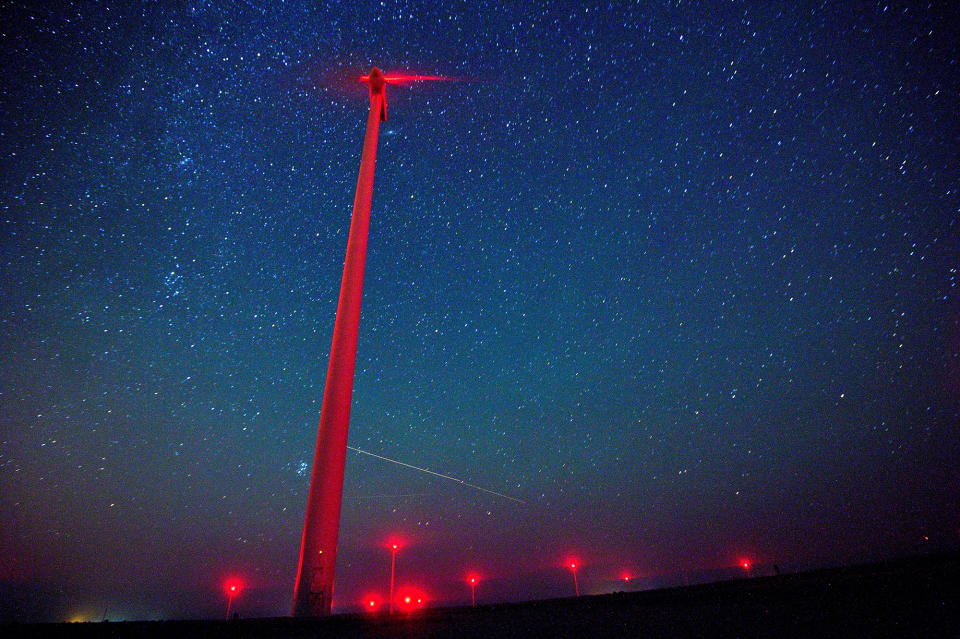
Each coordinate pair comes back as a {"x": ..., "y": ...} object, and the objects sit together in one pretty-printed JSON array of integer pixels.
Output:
[{"x": 916, "y": 597}]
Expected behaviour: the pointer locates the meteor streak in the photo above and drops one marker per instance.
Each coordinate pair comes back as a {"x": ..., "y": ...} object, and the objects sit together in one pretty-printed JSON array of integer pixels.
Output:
[{"x": 427, "y": 470}]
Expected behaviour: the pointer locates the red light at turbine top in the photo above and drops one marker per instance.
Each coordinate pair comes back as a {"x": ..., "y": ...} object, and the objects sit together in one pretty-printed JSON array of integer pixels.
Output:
[
  {"x": 745, "y": 565},
  {"x": 395, "y": 543},
  {"x": 233, "y": 586}
]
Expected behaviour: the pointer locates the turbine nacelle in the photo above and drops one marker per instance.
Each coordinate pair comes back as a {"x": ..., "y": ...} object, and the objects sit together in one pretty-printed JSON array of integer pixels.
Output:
[{"x": 378, "y": 81}]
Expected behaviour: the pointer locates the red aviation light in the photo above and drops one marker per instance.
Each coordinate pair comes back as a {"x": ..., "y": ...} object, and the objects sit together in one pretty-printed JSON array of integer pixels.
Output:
[
  {"x": 411, "y": 599},
  {"x": 395, "y": 543},
  {"x": 371, "y": 602}
]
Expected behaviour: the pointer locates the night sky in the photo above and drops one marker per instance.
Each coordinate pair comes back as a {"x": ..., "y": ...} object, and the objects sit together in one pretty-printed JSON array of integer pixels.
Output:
[{"x": 683, "y": 277}]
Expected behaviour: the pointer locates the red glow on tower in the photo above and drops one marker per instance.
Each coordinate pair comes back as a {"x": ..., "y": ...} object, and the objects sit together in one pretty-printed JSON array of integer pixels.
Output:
[
  {"x": 232, "y": 587},
  {"x": 473, "y": 580},
  {"x": 745, "y": 564},
  {"x": 313, "y": 589},
  {"x": 572, "y": 565},
  {"x": 394, "y": 544}
]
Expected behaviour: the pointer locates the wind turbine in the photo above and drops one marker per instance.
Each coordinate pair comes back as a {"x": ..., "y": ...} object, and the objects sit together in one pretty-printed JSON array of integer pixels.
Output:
[{"x": 313, "y": 591}]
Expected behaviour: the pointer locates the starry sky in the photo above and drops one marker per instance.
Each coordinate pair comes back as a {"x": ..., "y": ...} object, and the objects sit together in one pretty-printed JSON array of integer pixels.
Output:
[{"x": 681, "y": 276}]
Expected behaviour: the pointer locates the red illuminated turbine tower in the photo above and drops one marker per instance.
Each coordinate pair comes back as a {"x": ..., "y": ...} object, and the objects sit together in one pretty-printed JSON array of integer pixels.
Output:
[{"x": 313, "y": 591}]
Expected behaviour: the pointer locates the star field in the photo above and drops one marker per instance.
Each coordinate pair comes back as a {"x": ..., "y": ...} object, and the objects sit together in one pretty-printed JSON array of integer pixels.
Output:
[{"x": 682, "y": 276}]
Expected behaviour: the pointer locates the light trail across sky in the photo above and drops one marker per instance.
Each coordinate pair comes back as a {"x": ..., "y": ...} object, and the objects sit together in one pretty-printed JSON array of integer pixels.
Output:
[{"x": 431, "y": 472}]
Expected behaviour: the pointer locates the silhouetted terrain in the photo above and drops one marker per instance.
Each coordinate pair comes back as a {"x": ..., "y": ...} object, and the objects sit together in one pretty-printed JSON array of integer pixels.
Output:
[{"x": 915, "y": 597}]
